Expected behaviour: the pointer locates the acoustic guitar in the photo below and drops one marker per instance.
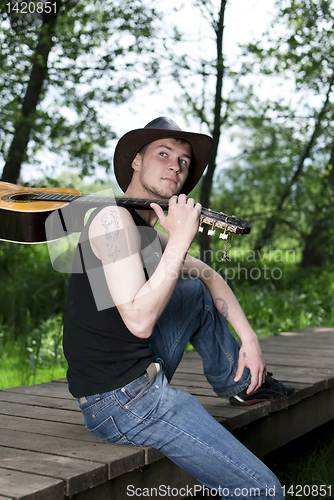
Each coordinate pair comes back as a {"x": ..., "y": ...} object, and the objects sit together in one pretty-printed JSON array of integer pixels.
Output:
[{"x": 24, "y": 212}]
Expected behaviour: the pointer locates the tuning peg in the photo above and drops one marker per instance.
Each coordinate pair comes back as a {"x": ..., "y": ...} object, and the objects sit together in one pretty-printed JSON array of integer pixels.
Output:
[
  {"x": 200, "y": 229},
  {"x": 212, "y": 231},
  {"x": 223, "y": 236}
]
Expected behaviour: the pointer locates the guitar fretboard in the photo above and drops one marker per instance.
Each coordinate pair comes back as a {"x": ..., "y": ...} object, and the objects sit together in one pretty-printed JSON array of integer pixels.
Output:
[{"x": 100, "y": 200}]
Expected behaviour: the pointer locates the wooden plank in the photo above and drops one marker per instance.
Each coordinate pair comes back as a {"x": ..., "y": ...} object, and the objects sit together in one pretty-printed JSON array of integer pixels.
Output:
[
  {"x": 45, "y": 401},
  {"x": 77, "y": 475},
  {"x": 48, "y": 389},
  {"x": 47, "y": 428},
  {"x": 39, "y": 413},
  {"x": 195, "y": 381},
  {"x": 303, "y": 352},
  {"x": 193, "y": 365},
  {"x": 289, "y": 347},
  {"x": 69, "y": 431},
  {"x": 299, "y": 345},
  {"x": 310, "y": 330},
  {"x": 119, "y": 459},
  {"x": 199, "y": 391},
  {"x": 301, "y": 336},
  {"x": 22, "y": 486},
  {"x": 291, "y": 375},
  {"x": 300, "y": 360}
]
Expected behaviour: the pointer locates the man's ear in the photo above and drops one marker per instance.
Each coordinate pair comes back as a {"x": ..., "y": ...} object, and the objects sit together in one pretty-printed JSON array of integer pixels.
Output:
[{"x": 136, "y": 162}]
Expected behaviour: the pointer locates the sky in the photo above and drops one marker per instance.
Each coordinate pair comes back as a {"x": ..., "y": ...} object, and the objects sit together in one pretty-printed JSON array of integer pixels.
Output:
[{"x": 244, "y": 20}]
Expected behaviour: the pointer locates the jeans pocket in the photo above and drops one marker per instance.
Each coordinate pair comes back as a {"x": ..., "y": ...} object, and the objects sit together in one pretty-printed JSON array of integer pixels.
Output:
[
  {"x": 139, "y": 397},
  {"x": 107, "y": 431}
]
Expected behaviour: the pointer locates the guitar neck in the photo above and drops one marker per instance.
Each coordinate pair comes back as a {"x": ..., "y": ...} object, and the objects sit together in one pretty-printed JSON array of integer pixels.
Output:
[{"x": 100, "y": 200}]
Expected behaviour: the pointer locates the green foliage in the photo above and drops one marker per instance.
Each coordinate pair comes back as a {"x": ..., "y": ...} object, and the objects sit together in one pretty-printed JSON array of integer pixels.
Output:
[
  {"x": 282, "y": 174},
  {"x": 318, "y": 465},
  {"x": 31, "y": 290},
  {"x": 306, "y": 466},
  {"x": 288, "y": 300},
  {"x": 33, "y": 358},
  {"x": 94, "y": 61}
]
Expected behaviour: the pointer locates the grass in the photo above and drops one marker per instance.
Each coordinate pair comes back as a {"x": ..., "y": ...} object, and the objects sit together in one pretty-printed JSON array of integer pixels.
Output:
[
  {"x": 306, "y": 465},
  {"x": 13, "y": 376},
  {"x": 35, "y": 358}
]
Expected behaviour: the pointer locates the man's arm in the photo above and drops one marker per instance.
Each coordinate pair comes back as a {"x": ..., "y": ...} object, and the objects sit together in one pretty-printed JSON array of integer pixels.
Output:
[
  {"x": 115, "y": 240},
  {"x": 227, "y": 304}
]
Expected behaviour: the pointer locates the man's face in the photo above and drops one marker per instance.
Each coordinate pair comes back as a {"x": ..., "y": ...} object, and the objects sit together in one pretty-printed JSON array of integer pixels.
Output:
[{"x": 164, "y": 167}]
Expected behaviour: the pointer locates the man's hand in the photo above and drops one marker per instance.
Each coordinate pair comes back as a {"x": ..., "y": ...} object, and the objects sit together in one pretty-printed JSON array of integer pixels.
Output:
[
  {"x": 250, "y": 356},
  {"x": 181, "y": 222}
]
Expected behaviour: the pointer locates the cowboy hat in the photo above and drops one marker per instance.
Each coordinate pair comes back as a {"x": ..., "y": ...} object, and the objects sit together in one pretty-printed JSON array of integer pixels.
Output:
[{"x": 162, "y": 127}]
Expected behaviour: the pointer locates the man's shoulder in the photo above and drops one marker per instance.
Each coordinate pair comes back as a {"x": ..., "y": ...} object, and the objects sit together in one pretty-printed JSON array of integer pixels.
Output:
[{"x": 111, "y": 217}]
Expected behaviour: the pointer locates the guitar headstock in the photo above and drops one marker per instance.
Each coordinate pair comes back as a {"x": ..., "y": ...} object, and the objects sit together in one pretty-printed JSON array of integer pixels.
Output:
[{"x": 227, "y": 223}]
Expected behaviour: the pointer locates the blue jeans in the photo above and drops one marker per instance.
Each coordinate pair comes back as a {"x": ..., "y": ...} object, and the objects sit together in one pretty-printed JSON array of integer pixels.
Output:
[{"x": 145, "y": 413}]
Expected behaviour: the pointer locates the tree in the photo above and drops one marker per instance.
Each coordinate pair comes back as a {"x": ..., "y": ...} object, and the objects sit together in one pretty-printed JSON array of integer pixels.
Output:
[
  {"x": 59, "y": 74},
  {"x": 304, "y": 52},
  {"x": 319, "y": 241},
  {"x": 211, "y": 110}
]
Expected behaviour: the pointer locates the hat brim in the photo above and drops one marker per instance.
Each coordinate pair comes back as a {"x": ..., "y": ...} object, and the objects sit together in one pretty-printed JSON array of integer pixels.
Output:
[{"x": 129, "y": 145}]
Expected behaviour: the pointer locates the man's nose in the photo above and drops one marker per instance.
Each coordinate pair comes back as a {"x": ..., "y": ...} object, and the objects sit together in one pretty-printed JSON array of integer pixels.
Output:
[{"x": 174, "y": 165}]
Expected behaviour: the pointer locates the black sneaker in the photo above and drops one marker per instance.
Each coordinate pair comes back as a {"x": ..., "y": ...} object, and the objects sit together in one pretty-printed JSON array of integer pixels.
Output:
[{"x": 271, "y": 389}]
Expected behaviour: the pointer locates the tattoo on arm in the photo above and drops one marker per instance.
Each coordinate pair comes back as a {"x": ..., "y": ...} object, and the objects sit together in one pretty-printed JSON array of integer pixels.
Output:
[
  {"x": 222, "y": 307},
  {"x": 111, "y": 231}
]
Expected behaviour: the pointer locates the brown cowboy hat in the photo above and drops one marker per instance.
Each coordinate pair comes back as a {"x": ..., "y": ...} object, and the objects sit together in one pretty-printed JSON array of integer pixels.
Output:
[{"x": 162, "y": 127}]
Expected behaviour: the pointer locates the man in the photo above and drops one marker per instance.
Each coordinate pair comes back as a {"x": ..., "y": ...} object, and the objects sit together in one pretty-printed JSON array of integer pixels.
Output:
[{"x": 140, "y": 299}]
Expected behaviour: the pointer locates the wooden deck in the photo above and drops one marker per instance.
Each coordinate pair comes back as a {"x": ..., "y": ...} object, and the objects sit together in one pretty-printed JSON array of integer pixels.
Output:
[{"x": 47, "y": 454}]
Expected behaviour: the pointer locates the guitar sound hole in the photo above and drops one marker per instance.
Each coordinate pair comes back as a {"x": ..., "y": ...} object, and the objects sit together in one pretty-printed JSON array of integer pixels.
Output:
[{"x": 23, "y": 197}]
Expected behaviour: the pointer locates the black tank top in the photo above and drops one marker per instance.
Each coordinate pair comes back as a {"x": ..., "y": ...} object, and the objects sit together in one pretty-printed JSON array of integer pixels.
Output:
[{"x": 101, "y": 352}]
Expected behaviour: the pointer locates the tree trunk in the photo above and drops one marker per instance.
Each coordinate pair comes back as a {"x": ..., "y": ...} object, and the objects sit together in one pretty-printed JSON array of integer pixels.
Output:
[
  {"x": 268, "y": 231},
  {"x": 24, "y": 123},
  {"x": 317, "y": 241},
  {"x": 206, "y": 186}
]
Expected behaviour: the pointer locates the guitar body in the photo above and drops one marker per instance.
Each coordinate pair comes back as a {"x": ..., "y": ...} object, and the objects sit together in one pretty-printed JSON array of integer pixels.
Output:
[{"x": 22, "y": 220}]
